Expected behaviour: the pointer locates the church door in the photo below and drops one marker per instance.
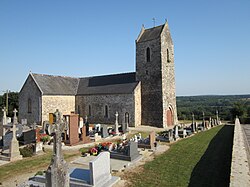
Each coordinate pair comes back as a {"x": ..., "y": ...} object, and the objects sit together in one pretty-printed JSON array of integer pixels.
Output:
[{"x": 169, "y": 117}]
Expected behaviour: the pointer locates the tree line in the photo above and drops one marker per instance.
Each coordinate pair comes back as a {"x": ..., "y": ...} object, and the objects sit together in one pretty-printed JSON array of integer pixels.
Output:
[{"x": 228, "y": 106}]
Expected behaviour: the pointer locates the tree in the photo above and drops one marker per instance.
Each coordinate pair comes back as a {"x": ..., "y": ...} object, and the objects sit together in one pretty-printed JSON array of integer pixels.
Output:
[{"x": 238, "y": 110}]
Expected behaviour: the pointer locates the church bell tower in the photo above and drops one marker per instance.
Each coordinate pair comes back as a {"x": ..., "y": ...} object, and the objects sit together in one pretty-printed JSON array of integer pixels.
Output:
[{"x": 155, "y": 70}]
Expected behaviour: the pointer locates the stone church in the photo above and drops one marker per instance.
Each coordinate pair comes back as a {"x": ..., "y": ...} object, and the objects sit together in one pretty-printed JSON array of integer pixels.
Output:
[{"x": 144, "y": 97}]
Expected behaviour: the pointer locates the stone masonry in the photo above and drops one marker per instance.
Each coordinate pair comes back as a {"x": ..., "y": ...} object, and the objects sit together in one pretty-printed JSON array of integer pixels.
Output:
[{"x": 156, "y": 76}]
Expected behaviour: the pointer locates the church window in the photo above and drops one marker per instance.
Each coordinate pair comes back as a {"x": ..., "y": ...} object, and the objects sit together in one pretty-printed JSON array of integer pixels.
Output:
[
  {"x": 89, "y": 110},
  {"x": 29, "y": 106},
  {"x": 106, "y": 112},
  {"x": 148, "y": 54},
  {"x": 168, "y": 59}
]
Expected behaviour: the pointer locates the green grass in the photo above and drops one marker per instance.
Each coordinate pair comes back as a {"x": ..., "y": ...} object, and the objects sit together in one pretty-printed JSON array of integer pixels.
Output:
[
  {"x": 201, "y": 160},
  {"x": 34, "y": 163}
]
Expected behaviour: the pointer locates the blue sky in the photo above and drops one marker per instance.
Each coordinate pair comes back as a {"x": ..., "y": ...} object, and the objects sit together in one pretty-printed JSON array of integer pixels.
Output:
[{"x": 83, "y": 38}]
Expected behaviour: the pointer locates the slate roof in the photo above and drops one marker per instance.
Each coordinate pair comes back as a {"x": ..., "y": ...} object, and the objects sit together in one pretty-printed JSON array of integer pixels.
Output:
[
  {"x": 56, "y": 85},
  {"x": 108, "y": 84},
  {"x": 151, "y": 34}
]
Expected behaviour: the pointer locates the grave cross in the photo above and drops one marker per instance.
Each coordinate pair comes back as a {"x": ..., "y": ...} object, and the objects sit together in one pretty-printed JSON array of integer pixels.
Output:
[
  {"x": 14, "y": 129},
  {"x": 116, "y": 123},
  {"x": 86, "y": 119},
  {"x": 15, "y": 117},
  {"x": 4, "y": 116}
]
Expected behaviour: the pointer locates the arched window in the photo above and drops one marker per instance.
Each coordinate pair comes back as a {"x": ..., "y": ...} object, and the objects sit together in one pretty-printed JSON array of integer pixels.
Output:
[
  {"x": 89, "y": 110},
  {"x": 148, "y": 54},
  {"x": 106, "y": 111},
  {"x": 168, "y": 59},
  {"x": 29, "y": 106}
]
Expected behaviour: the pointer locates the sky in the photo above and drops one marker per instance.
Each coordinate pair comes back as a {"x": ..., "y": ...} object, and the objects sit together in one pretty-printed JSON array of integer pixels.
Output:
[{"x": 81, "y": 38}]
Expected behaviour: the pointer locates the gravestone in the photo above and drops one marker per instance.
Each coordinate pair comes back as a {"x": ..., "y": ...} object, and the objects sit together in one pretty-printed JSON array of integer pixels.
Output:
[
  {"x": 116, "y": 123},
  {"x": 129, "y": 153},
  {"x": 4, "y": 122},
  {"x": 14, "y": 153},
  {"x": 176, "y": 135},
  {"x": 104, "y": 131},
  {"x": 73, "y": 135},
  {"x": 124, "y": 127},
  {"x": 84, "y": 137},
  {"x": 148, "y": 143},
  {"x": 100, "y": 169},
  {"x": 87, "y": 126},
  {"x": 57, "y": 173}
]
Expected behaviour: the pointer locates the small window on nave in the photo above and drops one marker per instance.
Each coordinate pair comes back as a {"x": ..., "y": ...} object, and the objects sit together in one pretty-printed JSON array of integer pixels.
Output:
[
  {"x": 148, "y": 54},
  {"x": 29, "y": 106},
  {"x": 106, "y": 112}
]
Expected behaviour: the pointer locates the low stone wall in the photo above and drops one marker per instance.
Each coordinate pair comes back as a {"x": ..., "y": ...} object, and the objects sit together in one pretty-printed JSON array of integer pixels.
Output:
[{"x": 240, "y": 173}]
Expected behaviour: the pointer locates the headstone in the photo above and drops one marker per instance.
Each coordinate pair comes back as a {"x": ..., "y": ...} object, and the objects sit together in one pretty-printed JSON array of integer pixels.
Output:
[
  {"x": 84, "y": 138},
  {"x": 14, "y": 152},
  {"x": 3, "y": 123},
  {"x": 87, "y": 126},
  {"x": 104, "y": 131},
  {"x": 24, "y": 121},
  {"x": 176, "y": 135},
  {"x": 124, "y": 127},
  {"x": 4, "y": 119},
  {"x": 129, "y": 153},
  {"x": 100, "y": 169},
  {"x": 57, "y": 173},
  {"x": 116, "y": 123},
  {"x": 73, "y": 135}
]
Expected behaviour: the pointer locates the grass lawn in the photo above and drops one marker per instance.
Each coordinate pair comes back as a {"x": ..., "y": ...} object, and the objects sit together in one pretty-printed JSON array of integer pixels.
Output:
[
  {"x": 35, "y": 163},
  {"x": 201, "y": 160}
]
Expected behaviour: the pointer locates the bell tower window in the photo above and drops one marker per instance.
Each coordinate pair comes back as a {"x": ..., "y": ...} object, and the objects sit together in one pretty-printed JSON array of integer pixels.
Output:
[
  {"x": 168, "y": 59},
  {"x": 148, "y": 54}
]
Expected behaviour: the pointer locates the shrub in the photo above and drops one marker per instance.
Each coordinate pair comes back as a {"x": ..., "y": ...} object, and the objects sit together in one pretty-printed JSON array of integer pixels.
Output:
[
  {"x": 39, "y": 173},
  {"x": 27, "y": 151},
  {"x": 45, "y": 138}
]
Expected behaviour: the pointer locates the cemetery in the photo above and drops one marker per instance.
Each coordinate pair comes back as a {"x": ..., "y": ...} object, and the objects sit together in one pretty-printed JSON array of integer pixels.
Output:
[{"x": 113, "y": 145}]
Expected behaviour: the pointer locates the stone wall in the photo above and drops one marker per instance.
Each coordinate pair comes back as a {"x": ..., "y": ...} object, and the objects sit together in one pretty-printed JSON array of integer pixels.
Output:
[
  {"x": 239, "y": 166},
  {"x": 65, "y": 104},
  {"x": 168, "y": 77},
  {"x": 32, "y": 92},
  {"x": 121, "y": 103}
]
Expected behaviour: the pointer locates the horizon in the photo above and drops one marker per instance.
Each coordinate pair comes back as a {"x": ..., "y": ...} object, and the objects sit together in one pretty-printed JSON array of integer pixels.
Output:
[{"x": 84, "y": 39}]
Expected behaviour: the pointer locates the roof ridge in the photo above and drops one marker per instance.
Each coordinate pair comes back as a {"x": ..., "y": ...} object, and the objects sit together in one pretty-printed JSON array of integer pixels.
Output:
[
  {"x": 108, "y": 75},
  {"x": 55, "y": 75}
]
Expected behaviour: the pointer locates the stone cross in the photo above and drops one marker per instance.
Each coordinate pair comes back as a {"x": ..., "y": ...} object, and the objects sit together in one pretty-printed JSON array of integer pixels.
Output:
[
  {"x": 4, "y": 116},
  {"x": 57, "y": 173},
  {"x": 127, "y": 116},
  {"x": 116, "y": 123},
  {"x": 193, "y": 118},
  {"x": 217, "y": 117},
  {"x": 14, "y": 129},
  {"x": 15, "y": 117}
]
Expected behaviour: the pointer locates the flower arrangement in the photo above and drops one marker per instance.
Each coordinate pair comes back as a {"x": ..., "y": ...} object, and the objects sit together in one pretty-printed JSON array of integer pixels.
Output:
[{"x": 93, "y": 151}]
